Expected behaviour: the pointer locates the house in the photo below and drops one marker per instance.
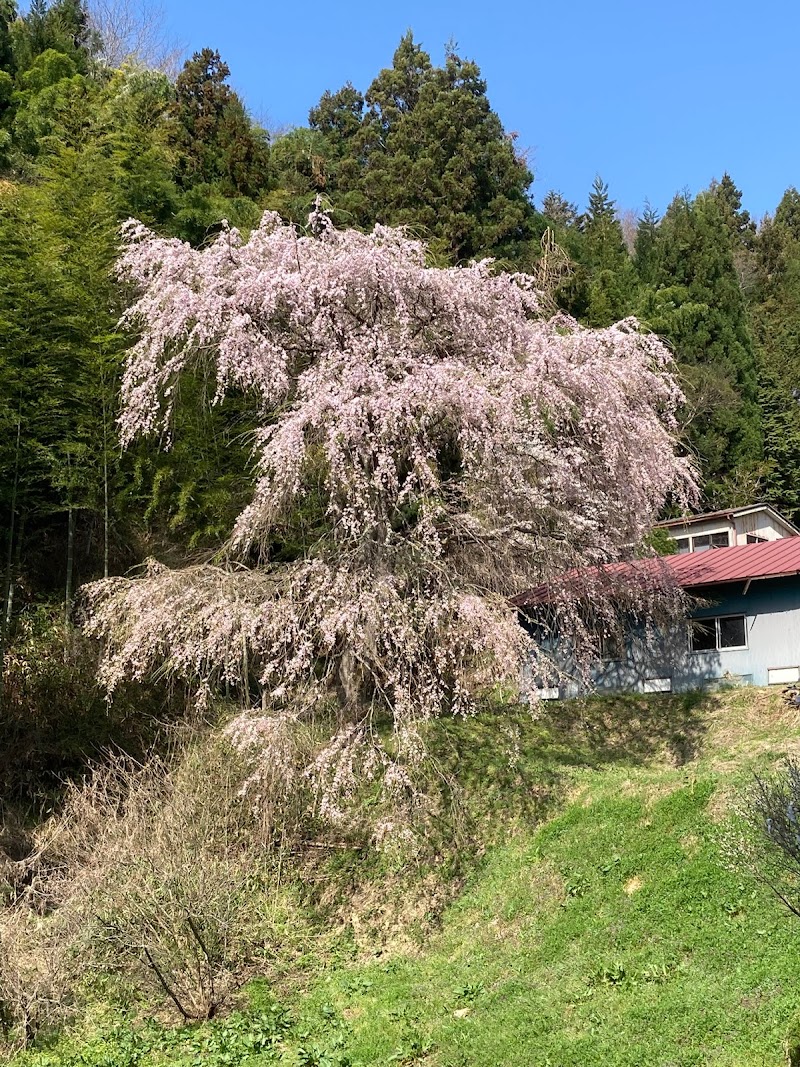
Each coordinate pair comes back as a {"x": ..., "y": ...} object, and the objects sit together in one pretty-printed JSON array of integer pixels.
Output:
[
  {"x": 722, "y": 529},
  {"x": 744, "y": 628}
]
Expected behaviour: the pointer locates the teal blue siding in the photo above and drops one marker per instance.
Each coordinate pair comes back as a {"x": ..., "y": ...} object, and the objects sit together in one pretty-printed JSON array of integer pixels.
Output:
[{"x": 772, "y": 619}]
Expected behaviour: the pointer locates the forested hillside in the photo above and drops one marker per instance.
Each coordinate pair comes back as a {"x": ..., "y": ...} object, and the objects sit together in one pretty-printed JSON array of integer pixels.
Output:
[
  {"x": 338, "y": 457},
  {"x": 85, "y": 144}
]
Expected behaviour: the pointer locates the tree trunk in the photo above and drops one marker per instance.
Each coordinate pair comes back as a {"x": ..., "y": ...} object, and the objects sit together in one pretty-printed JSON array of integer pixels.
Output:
[
  {"x": 70, "y": 563},
  {"x": 105, "y": 483},
  {"x": 10, "y": 580}
]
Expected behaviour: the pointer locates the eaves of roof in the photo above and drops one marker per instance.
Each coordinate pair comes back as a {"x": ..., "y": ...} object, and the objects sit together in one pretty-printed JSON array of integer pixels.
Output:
[{"x": 741, "y": 563}]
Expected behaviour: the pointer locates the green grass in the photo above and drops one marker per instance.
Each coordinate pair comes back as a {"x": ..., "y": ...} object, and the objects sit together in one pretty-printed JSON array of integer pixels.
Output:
[{"x": 610, "y": 934}]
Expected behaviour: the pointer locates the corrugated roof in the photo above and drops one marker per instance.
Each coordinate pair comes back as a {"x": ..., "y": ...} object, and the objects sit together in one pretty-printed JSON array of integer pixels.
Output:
[
  {"x": 768, "y": 559},
  {"x": 727, "y": 513}
]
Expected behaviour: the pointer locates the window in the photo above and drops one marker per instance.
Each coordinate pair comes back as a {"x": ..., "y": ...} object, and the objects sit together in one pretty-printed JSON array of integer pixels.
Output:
[
  {"x": 702, "y": 542},
  {"x": 754, "y": 539},
  {"x": 709, "y": 635},
  {"x": 703, "y": 636},
  {"x": 612, "y": 646},
  {"x": 732, "y": 633}
]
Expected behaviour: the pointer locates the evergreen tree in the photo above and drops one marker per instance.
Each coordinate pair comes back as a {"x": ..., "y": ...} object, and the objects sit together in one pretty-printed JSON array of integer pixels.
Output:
[
  {"x": 61, "y": 26},
  {"x": 775, "y": 317},
  {"x": 787, "y": 215},
  {"x": 646, "y": 245},
  {"x": 303, "y": 167},
  {"x": 605, "y": 246},
  {"x": 781, "y": 420},
  {"x": 211, "y": 133},
  {"x": 558, "y": 210},
  {"x": 729, "y": 201},
  {"x": 611, "y": 279},
  {"x": 8, "y": 15},
  {"x": 429, "y": 154},
  {"x": 338, "y": 117},
  {"x": 134, "y": 138},
  {"x": 697, "y": 304},
  {"x": 325, "y": 159}
]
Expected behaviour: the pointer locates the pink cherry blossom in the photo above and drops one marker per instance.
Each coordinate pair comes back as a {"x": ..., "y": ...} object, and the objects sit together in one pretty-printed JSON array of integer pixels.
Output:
[{"x": 468, "y": 446}]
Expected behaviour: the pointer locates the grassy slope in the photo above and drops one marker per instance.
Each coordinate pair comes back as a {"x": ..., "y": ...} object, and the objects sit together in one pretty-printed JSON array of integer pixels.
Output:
[{"x": 611, "y": 935}]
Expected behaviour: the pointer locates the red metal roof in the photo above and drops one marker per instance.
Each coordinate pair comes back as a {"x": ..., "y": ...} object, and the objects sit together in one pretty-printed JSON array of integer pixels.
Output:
[{"x": 768, "y": 559}]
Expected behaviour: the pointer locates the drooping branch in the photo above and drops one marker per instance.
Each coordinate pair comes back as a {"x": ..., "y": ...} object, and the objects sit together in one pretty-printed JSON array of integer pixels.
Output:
[{"x": 454, "y": 443}]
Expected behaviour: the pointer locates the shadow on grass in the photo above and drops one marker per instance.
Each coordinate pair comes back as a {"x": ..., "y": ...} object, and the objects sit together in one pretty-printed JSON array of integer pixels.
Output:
[
  {"x": 516, "y": 760},
  {"x": 629, "y": 728}
]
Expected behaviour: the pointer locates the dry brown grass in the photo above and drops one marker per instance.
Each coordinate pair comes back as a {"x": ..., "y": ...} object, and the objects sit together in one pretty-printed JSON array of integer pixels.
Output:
[
  {"x": 742, "y": 722},
  {"x": 153, "y": 875},
  {"x": 394, "y": 915}
]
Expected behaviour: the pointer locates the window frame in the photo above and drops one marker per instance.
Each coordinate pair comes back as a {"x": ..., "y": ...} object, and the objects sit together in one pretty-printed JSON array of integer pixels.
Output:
[
  {"x": 613, "y": 647},
  {"x": 690, "y": 538},
  {"x": 716, "y": 619}
]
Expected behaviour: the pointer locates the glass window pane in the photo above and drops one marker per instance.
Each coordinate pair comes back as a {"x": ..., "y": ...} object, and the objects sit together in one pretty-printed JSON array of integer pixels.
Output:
[
  {"x": 611, "y": 646},
  {"x": 683, "y": 545},
  {"x": 719, "y": 540},
  {"x": 754, "y": 539},
  {"x": 732, "y": 632},
  {"x": 703, "y": 636},
  {"x": 701, "y": 543}
]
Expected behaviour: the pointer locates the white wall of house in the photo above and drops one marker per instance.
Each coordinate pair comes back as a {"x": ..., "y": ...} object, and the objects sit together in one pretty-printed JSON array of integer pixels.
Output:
[
  {"x": 741, "y": 529},
  {"x": 759, "y": 524}
]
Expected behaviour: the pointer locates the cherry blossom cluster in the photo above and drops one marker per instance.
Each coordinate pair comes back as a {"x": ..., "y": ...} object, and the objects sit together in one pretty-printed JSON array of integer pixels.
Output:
[{"x": 467, "y": 447}]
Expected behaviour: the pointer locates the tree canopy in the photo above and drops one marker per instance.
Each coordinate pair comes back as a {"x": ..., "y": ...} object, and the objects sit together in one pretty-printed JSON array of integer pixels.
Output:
[{"x": 439, "y": 438}]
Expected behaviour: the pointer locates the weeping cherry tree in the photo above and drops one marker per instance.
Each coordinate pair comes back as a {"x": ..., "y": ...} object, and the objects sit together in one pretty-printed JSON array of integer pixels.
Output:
[{"x": 430, "y": 442}]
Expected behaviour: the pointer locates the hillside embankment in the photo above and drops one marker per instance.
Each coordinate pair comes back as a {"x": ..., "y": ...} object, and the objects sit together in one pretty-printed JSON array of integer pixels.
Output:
[{"x": 575, "y": 903}]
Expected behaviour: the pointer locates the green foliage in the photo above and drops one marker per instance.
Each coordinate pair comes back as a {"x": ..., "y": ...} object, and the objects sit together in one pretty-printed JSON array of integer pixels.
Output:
[
  {"x": 61, "y": 26},
  {"x": 604, "y": 246},
  {"x": 303, "y": 168},
  {"x": 793, "y": 1043},
  {"x": 244, "y": 1037},
  {"x": 60, "y": 370},
  {"x": 646, "y": 246},
  {"x": 8, "y": 15},
  {"x": 660, "y": 542},
  {"x": 194, "y": 491},
  {"x": 47, "y": 68},
  {"x": 426, "y": 152},
  {"x": 695, "y": 302},
  {"x": 95, "y": 151},
  {"x": 53, "y": 714},
  {"x": 729, "y": 201},
  {"x": 558, "y": 210},
  {"x": 214, "y": 140},
  {"x": 775, "y": 317}
]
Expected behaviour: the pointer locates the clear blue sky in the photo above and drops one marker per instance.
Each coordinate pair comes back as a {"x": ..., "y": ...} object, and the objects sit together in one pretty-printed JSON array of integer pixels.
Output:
[{"x": 655, "y": 97}]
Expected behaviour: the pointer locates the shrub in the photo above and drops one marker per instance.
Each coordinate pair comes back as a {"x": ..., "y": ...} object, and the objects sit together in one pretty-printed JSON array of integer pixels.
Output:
[
  {"x": 767, "y": 841},
  {"x": 153, "y": 873}
]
